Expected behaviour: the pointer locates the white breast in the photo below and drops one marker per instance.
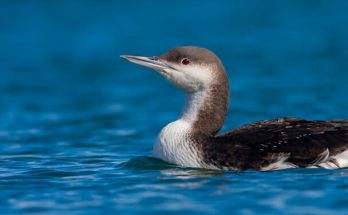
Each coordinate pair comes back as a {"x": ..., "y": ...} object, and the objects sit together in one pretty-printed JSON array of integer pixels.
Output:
[{"x": 173, "y": 146}]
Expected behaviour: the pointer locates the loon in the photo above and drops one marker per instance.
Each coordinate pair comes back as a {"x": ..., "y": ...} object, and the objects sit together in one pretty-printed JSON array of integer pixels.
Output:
[{"x": 193, "y": 140}]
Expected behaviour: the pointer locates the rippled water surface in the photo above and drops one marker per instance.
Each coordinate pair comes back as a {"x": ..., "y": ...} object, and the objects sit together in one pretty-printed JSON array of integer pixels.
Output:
[{"x": 78, "y": 123}]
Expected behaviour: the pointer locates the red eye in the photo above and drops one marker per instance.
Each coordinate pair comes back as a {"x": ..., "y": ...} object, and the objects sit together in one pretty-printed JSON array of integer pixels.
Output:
[{"x": 185, "y": 61}]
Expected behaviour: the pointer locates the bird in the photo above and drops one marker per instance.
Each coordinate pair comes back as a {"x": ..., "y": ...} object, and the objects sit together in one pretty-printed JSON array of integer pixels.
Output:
[{"x": 194, "y": 141}]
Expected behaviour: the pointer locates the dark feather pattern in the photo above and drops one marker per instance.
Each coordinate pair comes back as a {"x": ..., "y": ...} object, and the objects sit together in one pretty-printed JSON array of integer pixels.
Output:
[{"x": 257, "y": 145}]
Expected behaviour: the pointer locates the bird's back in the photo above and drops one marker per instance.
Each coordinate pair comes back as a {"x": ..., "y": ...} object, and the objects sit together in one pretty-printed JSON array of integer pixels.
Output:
[{"x": 281, "y": 143}]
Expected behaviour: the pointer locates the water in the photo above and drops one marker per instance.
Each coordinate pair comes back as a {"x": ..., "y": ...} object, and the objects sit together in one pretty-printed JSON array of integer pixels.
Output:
[{"x": 78, "y": 123}]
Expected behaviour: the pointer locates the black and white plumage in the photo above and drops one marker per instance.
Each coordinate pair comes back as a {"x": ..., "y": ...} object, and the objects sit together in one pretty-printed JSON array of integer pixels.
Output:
[
  {"x": 282, "y": 143},
  {"x": 192, "y": 140}
]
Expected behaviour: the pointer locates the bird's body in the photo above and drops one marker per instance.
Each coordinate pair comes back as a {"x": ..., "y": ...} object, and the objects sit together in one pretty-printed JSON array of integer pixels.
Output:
[
  {"x": 192, "y": 140},
  {"x": 282, "y": 143},
  {"x": 263, "y": 145}
]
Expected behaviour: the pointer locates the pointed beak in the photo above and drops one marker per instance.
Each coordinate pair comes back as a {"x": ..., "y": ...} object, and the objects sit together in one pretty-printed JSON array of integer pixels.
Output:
[{"x": 151, "y": 62}]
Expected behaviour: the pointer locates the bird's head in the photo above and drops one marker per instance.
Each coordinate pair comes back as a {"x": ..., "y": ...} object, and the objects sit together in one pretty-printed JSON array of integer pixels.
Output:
[{"x": 190, "y": 68}]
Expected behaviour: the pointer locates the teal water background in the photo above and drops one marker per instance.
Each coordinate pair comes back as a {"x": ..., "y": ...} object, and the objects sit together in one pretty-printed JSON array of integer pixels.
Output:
[{"x": 78, "y": 123}]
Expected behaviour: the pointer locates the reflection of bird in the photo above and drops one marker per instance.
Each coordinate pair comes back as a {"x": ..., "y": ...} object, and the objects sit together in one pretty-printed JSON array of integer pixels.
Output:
[{"x": 192, "y": 140}]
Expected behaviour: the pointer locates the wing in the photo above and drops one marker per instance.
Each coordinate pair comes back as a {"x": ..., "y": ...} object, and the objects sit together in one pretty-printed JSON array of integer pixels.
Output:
[{"x": 296, "y": 142}]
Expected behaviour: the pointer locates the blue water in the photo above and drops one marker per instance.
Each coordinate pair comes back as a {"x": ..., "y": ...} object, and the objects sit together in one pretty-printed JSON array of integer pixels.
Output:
[{"x": 78, "y": 123}]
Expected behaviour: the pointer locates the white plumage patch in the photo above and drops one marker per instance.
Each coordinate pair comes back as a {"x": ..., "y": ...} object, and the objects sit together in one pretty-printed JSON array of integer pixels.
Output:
[
  {"x": 324, "y": 160},
  {"x": 173, "y": 145},
  {"x": 337, "y": 161},
  {"x": 193, "y": 104},
  {"x": 190, "y": 78},
  {"x": 174, "y": 141},
  {"x": 281, "y": 163}
]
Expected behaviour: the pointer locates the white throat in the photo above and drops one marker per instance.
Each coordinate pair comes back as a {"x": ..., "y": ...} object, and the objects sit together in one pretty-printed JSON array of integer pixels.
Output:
[
  {"x": 175, "y": 141},
  {"x": 194, "y": 102}
]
